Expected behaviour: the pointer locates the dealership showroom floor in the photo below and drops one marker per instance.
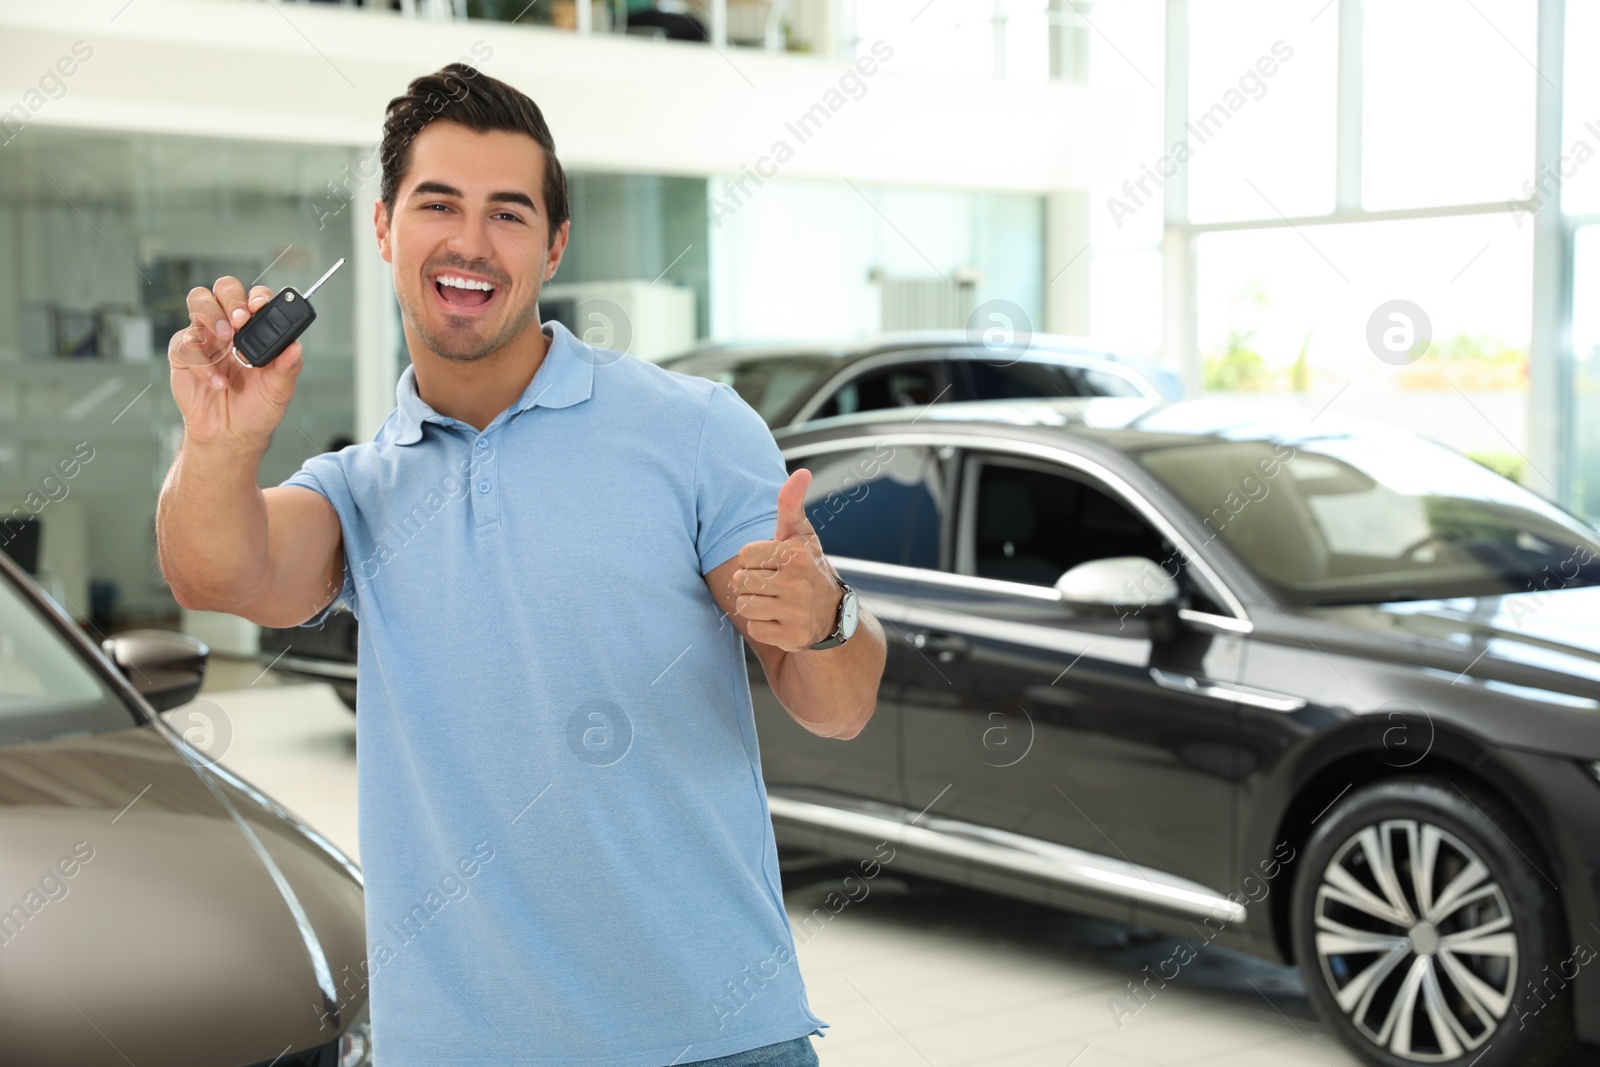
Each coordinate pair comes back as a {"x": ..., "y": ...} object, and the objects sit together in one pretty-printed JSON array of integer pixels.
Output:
[{"x": 910, "y": 974}]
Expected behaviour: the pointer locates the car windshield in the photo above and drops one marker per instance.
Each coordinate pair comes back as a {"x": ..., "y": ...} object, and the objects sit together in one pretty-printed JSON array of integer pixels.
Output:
[
  {"x": 1375, "y": 517},
  {"x": 47, "y": 692},
  {"x": 771, "y": 385}
]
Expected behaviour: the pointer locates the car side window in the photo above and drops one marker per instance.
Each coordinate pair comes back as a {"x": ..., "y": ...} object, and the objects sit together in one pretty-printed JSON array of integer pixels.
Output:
[
  {"x": 1096, "y": 382},
  {"x": 1029, "y": 521},
  {"x": 1023, "y": 379},
  {"x": 884, "y": 504},
  {"x": 47, "y": 691},
  {"x": 899, "y": 385}
]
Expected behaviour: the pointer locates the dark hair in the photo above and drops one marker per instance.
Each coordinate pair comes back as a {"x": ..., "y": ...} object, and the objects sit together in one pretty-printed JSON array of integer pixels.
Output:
[{"x": 462, "y": 94}]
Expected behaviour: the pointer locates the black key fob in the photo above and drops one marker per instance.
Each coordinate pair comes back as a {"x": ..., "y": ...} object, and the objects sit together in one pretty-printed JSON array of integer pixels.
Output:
[
  {"x": 273, "y": 328},
  {"x": 280, "y": 320}
]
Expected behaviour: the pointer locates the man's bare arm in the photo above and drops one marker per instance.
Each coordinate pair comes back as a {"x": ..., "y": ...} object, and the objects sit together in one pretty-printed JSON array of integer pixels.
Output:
[
  {"x": 832, "y": 692},
  {"x": 783, "y": 596},
  {"x": 273, "y": 556}
]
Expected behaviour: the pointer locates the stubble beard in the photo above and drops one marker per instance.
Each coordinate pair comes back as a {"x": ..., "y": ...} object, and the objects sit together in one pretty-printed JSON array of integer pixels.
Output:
[{"x": 459, "y": 344}]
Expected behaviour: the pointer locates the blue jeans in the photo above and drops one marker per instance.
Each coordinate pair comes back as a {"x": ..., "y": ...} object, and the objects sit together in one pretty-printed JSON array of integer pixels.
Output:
[{"x": 796, "y": 1053}]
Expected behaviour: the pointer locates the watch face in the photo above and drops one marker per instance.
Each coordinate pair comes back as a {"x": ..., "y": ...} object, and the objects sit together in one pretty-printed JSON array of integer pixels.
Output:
[{"x": 849, "y": 612}]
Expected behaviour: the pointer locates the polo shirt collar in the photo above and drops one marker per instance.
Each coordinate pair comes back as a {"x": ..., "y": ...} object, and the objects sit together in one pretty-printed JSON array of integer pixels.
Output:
[{"x": 566, "y": 377}]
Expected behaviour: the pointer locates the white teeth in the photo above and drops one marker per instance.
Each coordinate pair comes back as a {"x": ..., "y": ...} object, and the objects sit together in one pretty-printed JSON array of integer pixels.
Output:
[{"x": 456, "y": 282}]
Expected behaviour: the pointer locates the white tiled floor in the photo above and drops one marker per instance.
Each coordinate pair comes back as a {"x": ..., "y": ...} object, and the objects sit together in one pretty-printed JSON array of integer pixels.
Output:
[
  {"x": 920, "y": 975},
  {"x": 941, "y": 976}
]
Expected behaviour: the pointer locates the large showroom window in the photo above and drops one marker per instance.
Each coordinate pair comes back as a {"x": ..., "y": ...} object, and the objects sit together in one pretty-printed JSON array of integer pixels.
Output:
[
  {"x": 1280, "y": 315},
  {"x": 1458, "y": 129},
  {"x": 1347, "y": 227},
  {"x": 1261, "y": 109},
  {"x": 1579, "y": 170}
]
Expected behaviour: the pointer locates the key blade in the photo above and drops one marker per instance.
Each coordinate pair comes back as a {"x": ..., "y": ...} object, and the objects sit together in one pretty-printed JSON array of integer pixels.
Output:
[{"x": 318, "y": 283}]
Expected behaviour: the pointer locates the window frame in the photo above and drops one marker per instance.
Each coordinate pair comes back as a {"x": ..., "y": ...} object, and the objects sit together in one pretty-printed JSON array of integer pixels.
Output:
[
  {"x": 971, "y": 464},
  {"x": 1075, "y": 365},
  {"x": 936, "y": 358}
]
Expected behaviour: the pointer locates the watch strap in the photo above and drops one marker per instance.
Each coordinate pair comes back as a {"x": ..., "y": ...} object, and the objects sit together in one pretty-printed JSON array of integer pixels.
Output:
[{"x": 834, "y": 639}]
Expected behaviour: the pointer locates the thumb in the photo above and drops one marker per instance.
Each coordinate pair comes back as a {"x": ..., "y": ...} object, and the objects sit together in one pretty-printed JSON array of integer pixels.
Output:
[{"x": 792, "y": 521}]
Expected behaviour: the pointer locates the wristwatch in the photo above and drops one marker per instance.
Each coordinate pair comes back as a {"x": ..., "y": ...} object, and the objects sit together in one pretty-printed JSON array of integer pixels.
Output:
[{"x": 844, "y": 622}]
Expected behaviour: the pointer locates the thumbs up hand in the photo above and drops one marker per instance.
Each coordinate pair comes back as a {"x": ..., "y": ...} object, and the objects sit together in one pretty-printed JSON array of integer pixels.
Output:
[
  {"x": 786, "y": 588},
  {"x": 792, "y": 521}
]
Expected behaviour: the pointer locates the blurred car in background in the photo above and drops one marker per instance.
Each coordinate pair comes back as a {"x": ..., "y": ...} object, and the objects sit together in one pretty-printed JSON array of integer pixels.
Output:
[
  {"x": 155, "y": 908},
  {"x": 788, "y": 384},
  {"x": 324, "y": 653}
]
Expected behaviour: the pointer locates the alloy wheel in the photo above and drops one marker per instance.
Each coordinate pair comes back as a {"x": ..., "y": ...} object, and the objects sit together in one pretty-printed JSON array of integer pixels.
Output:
[{"x": 1416, "y": 940}]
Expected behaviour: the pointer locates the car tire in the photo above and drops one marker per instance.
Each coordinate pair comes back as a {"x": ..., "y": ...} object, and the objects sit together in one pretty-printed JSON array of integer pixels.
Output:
[{"x": 1419, "y": 994}]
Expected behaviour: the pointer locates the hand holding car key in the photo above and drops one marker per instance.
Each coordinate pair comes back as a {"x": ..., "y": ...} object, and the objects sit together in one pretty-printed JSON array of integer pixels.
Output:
[
  {"x": 273, "y": 328},
  {"x": 238, "y": 402}
]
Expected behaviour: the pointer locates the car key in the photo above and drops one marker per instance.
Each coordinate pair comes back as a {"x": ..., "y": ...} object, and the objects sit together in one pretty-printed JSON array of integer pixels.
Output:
[{"x": 281, "y": 320}]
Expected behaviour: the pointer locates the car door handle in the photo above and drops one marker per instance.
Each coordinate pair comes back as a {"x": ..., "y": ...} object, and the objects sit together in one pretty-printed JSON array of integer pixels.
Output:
[
  {"x": 1227, "y": 691},
  {"x": 946, "y": 647}
]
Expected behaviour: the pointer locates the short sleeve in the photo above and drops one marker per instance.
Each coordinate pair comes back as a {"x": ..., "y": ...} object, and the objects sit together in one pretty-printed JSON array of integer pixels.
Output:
[
  {"x": 738, "y": 472},
  {"x": 324, "y": 474}
]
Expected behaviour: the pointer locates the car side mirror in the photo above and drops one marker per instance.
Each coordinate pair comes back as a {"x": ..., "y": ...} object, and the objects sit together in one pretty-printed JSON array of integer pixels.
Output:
[
  {"x": 1122, "y": 587},
  {"x": 166, "y": 668}
]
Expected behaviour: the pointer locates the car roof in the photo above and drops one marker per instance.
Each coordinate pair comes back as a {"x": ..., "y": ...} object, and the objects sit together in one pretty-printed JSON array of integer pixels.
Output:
[
  {"x": 724, "y": 352},
  {"x": 1125, "y": 424}
]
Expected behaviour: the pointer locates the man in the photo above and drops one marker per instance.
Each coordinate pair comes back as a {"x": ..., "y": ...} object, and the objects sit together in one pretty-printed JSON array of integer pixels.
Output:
[{"x": 554, "y": 551}]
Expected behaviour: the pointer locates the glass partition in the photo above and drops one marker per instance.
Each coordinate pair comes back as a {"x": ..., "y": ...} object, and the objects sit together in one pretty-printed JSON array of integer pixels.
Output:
[{"x": 101, "y": 238}]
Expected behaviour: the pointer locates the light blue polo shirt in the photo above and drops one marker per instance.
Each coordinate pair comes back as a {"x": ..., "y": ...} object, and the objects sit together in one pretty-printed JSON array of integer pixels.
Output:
[{"x": 568, "y": 854}]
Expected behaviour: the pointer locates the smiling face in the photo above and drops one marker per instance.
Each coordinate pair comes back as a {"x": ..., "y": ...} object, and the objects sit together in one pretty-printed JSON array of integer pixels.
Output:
[{"x": 470, "y": 240}]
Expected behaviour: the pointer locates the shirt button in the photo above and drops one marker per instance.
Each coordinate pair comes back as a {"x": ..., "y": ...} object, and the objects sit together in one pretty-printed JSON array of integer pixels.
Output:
[
  {"x": 483, "y": 442},
  {"x": 483, "y": 487}
]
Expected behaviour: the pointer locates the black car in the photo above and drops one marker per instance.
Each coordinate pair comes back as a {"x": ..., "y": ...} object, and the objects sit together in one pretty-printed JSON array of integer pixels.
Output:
[
  {"x": 1302, "y": 686},
  {"x": 154, "y": 907},
  {"x": 788, "y": 384}
]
